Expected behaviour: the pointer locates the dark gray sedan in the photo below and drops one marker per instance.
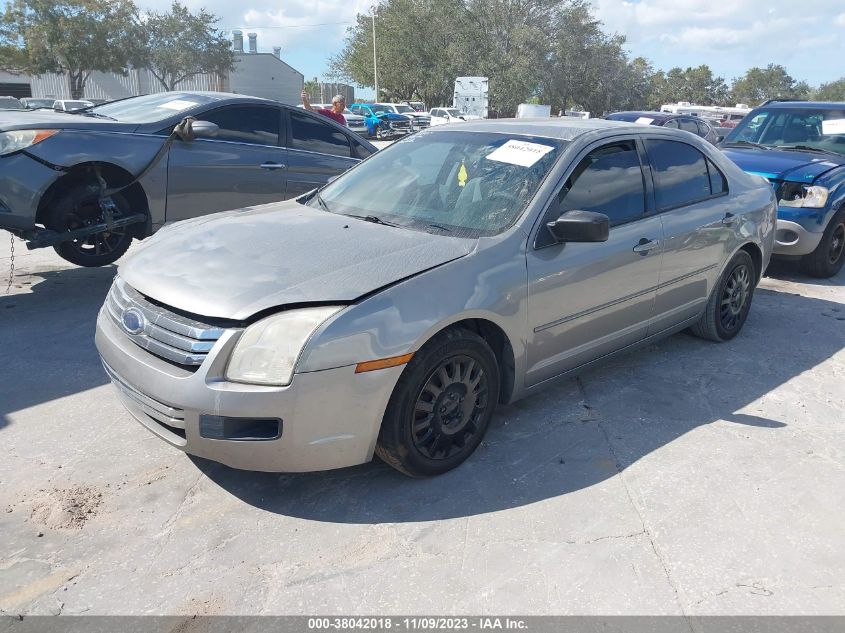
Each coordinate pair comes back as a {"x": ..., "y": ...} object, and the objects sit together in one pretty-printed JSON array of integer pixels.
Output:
[{"x": 89, "y": 182}]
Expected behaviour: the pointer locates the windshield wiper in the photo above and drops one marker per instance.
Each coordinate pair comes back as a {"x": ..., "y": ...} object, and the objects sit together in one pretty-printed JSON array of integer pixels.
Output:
[
  {"x": 372, "y": 218},
  {"x": 95, "y": 115},
  {"x": 741, "y": 143},
  {"x": 321, "y": 202},
  {"x": 808, "y": 148},
  {"x": 441, "y": 227}
]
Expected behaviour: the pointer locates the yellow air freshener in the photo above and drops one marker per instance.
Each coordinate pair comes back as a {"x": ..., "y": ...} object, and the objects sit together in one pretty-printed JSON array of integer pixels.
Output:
[{"x": 462, "y": 175}]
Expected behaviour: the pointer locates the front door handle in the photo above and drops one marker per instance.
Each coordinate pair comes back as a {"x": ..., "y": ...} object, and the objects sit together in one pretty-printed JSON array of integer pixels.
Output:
[
  {"x": 729, "y": 218},
  {"x": 645, "y": 245},
  {"x": 272, "y": 165}
]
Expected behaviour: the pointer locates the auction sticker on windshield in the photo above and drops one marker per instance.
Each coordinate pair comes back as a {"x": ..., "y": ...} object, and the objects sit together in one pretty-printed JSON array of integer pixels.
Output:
[
  {"x": 644, "y": 120},
  {"x": 833, "y": 126},
  {"x": 178, "y": 105},
  {"x": 520, "y": 153}
]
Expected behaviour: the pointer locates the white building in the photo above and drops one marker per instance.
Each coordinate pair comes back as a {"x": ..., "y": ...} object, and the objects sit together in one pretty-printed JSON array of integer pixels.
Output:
[{"x": 256, "y": 74}]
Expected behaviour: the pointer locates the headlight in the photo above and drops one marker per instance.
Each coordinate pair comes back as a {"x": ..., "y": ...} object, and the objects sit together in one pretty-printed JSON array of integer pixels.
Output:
[
  {"x": 795, "y": 195},
  {"x": 267, "y": 351},
  {"x": 21, "y": 139}
]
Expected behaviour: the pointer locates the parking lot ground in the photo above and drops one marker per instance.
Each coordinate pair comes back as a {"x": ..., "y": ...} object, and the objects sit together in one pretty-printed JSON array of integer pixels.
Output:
[{"x": 686, "y": 478}]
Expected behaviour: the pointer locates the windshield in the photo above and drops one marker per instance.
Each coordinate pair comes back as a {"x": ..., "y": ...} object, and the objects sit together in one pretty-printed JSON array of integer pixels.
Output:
[
  {"x": 822, "y": 129},
  {"x": 10, "y": 104},
  {"x": 380, "y": 107},
  {"x": 151, "y": 108},
  {"x": 401, "y": 109},
  {"x": 39, "y": 103},
  {"x": 419, "y": 106},
  {"x": 466, "y": 184},
  {"x": 454, "y": 112}
]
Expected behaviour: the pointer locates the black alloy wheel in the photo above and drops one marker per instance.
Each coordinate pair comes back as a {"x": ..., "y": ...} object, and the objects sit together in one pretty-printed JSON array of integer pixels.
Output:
[
  {"x": 735, "y": 297},
  {"x": 441, "y": 405},
  {"x": 449, "y": 407}
]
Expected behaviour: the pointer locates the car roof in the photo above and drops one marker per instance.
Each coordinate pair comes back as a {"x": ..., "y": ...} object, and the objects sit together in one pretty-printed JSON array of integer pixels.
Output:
[
  {"x": 657, "y": 116},
  {"x": 565, "y": 129},
  {"x": 812, "y": 105}
]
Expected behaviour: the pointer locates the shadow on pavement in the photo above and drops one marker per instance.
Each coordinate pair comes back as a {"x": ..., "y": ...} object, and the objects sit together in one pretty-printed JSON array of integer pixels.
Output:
[
  {"x": 576, "y": 433},
  {"x": 47, "y": 337}
]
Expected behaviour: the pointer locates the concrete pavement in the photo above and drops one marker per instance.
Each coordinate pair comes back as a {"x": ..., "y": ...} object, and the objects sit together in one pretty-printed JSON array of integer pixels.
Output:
[{"x": 688, "y": 478}]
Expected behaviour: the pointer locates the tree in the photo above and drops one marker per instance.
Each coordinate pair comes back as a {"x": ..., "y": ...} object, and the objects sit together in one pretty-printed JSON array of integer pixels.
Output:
[
  {"x": 72, "y": 37},
  {"x": 180, "y": 45},
  {"x": 772, "y": 82},
  {"x": 833, "y": 91}
]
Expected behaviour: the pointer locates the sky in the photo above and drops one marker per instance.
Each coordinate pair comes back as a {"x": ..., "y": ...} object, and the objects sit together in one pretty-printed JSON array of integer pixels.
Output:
[{"x": 807, "y": 37}]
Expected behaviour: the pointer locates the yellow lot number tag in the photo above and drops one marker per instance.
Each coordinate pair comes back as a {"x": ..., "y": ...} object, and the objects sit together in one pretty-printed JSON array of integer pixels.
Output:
[{"x": 462, "y": 175}]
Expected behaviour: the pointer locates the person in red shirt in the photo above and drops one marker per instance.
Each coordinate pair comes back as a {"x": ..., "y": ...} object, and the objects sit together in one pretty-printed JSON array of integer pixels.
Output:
[{"x": 336, "y": 113}]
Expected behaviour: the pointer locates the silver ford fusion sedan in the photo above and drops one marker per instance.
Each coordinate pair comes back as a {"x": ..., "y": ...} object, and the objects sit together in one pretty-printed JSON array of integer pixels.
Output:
[{"x": 390, "y": 311}]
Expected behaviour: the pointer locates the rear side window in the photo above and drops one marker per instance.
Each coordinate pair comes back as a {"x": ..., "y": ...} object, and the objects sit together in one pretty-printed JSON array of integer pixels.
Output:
[
  {"x": 256, "y": 125},
  {"x": 313, "y": 135},
  {"x": 610, "y": 181},
  {"x": 680, "y": 173}
]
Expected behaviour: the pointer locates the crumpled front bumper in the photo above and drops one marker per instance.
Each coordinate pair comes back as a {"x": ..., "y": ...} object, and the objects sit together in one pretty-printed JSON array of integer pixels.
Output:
[{"x": 328, "y": 419}]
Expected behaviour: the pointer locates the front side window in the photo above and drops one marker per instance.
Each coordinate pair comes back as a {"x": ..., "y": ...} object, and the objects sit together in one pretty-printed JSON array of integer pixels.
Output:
[
  {"x": 610, "y": 181},
  {"x": 680, "y": 173},
  {"x": 815, "y": 128},
  {"x": 256, "y": 125},
  {"x": 462, "y": 184},
  {"x": 313, "y": 135}
]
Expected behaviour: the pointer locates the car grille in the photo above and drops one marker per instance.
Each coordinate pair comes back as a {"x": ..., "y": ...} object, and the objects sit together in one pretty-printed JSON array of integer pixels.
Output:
[
  {"x": 401, "y": 125},
  {"x": 173, "y": 337},
  {"x": 172, "y": 419}
]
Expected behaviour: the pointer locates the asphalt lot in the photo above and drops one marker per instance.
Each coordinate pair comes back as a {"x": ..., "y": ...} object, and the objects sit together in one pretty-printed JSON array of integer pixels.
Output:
[{"x": 689, "y": 478}]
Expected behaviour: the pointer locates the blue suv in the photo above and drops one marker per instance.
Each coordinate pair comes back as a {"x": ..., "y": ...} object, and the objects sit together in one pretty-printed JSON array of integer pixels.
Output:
[{"x": 799, "y": 147}]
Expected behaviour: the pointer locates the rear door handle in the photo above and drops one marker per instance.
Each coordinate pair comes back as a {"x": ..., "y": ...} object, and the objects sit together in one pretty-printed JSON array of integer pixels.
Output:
[
  {"x": 729, "y": 218},
  {"x": 645, "y": 245},
  {"x": 272, "y": 165}
]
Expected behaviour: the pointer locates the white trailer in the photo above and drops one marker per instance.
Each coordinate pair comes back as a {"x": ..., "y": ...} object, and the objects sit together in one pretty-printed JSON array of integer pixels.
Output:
[{"x": 471, "y": 96}]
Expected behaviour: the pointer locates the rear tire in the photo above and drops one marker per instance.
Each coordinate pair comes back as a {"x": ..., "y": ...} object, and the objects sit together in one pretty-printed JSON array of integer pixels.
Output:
[
  {"x": 729, "y": 303},
  {"x": 441, "y": 406},
  {"x": 79, "y": 206},
  {"x": 829, "y": 256}
]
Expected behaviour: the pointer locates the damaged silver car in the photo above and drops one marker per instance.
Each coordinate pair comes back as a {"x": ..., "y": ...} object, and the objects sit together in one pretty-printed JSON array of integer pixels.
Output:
[{"x": 390, "y": 316}]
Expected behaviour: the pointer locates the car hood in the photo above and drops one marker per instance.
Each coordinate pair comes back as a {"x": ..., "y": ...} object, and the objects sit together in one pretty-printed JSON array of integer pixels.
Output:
[
  {"x": 393, "y": 116},
  {"x": 236, "y": 264},
  {"x": 47, "y": 119},
  {"x": 792, "y": 165}
]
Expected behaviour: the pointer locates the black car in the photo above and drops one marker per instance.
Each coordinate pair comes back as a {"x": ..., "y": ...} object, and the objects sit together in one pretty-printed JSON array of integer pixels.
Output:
[
  {"x": 68, "y": 179},
  {"x": 686, "y": 122}
]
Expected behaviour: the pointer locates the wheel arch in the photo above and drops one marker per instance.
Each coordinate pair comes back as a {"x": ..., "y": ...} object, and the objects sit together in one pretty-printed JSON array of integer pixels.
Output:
[
  {"x": 114, "y": 176},
  {"x": 498, "y": 341},
  {"x": 756, "y": 254}
]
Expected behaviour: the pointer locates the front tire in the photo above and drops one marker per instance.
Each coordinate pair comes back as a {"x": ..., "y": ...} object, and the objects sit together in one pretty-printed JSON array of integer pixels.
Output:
[
  {"x": 829, "y": 256},
  {"x": 729, "y": 303},
  {"x": 78, "y": 207},
  {"x": 441, "y": 406}
]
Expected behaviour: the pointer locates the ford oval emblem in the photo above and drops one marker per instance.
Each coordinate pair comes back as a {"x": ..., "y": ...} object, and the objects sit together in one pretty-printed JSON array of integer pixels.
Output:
[{"x": 133, "y": 321}]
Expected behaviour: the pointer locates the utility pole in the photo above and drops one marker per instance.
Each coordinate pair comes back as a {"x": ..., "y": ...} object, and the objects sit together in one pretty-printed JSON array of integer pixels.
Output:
[{"x": 375, "y": 66}]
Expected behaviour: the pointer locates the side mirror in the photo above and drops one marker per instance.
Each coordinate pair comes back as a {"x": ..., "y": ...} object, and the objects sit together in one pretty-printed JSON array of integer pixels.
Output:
[
  {"x": 580, "y": 226},
  {"x": 190, "y": 129}
]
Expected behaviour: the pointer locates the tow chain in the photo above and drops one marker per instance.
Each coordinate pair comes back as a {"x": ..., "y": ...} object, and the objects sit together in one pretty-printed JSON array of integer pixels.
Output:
[{"x": 11, "y": 266}]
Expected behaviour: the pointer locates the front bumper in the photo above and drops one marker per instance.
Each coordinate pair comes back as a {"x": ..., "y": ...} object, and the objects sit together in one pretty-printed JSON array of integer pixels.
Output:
[
  {"x": 792, "y": 239},
  {"x": 329, "y": 419},
  {"x": 23, "y": 181}
]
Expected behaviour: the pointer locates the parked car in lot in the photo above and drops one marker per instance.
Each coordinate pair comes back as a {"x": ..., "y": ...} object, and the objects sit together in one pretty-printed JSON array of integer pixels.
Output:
[
  {"x": 419, "y": 120},
  {"x": 64, "y": 177},
  {"x": 673, "y": 121},
  {"x": 800, "y": 148},
  {"x": 68, "y": 105},
  {"x": 381, "y": 122},
  {"x": 10, "y": 103},
  {"x": 394, "y": 314},
  {"x": 441, "y": 116},
  {"x": 34, "y": 103}
]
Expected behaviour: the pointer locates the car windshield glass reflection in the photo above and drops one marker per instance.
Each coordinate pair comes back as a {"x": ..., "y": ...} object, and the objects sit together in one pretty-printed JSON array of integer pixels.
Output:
[
  {"x": 151, "y": 108},
  {"x": 799, "y": 128},
  {"x": 467, "y": 184}
]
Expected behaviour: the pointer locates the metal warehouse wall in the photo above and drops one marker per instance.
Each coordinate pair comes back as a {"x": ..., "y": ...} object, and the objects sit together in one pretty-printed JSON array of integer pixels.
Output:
[{"x": 265, "y": 75}]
